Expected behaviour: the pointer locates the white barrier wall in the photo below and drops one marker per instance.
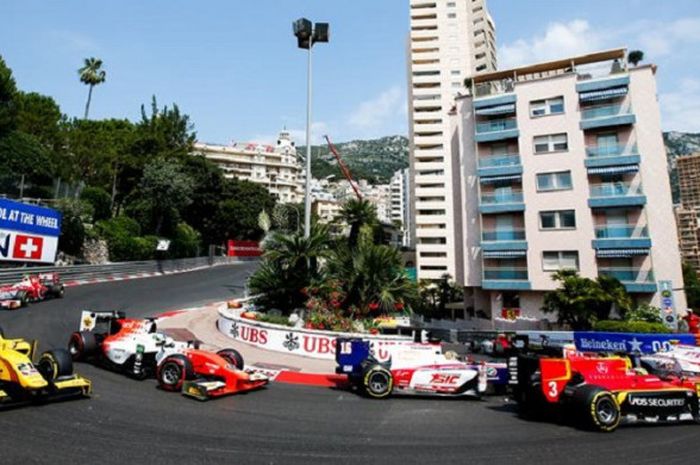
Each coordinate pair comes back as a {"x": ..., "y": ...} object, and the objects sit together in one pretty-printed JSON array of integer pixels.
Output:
[{"x": 296, "y": 341}]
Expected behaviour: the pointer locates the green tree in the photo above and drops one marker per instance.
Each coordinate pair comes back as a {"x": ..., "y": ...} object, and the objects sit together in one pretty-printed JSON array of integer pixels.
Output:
[
  {"x": 635, "y": 56},
  {"x": 164, "y": 190},
  {"x": 613, "y": 296},
  {"x": 186, "y": 242},
  {"x": 26, "y": 162},
  {"x": 164, "y": 133},
  {"x": 575, "y": 301},
  {"x": 8, "y": 105},
  {"x": 692, "y": 286},
  {"x": 358, "y": 213},
  {"x": 75, "y": 214},
  {"x": 40, "y": 116},
  {"x": 100, "y": 201},
  {"x": 237, "y": 214},
  {"x": 207, "y": 195},
  {"x": 91, "y": 74}
]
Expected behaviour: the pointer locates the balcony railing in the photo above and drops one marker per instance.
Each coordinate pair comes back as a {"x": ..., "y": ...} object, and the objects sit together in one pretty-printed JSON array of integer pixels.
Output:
[
  {"x": 616, "y": 150},
  {"x": 504, "y": 235},
  {"x": 604, "y": 111},
  {"x": 501, "y": 160},
  {"x": 502, "y": 86},
  {"x": 615, "y": 189},
  {"x": 496, "y": 125},
  {"x": 499, "y": 198},
  {"x": 629, "y": 275},
  {"x": 506, "y": 273},
  {"x": 629, "y": 231}
]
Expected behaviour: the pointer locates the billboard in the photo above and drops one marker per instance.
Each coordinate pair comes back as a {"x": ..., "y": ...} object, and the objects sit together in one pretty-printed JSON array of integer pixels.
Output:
[
  {"x": 243, "y": 249},
  {"x": 28, "y": 233},
  {"x": 628, "y": 342}
]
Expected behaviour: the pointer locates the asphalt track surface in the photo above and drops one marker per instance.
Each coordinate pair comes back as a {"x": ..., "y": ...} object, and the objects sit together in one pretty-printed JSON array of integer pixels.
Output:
[{"x": 132, "y": 422}]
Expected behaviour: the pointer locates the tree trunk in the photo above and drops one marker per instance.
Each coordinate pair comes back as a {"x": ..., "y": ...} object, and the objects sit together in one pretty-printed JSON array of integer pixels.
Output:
[{"x": 87, "y": 104}]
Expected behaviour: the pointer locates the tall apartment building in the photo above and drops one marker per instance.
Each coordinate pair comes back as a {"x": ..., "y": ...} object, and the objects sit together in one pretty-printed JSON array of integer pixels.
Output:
[
  {"x": 401, "y": 203},
  {"x": 564, "y": 167},
  {"x": 277, "y": 167},
  {"x": 449, "y": 41},
  {"x": 688, "y": 212}
]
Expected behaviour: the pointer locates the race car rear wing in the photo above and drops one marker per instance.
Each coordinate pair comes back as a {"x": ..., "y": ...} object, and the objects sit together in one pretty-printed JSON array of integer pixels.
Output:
[{"x": 89, "y": 319}]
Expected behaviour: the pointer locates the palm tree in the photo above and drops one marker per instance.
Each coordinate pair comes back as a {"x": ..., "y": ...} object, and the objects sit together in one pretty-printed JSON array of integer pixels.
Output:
[
  {"x": 91, "y": 74},
  {"x": 635, "y": 56},
  {"x": 358, "y": 213}
]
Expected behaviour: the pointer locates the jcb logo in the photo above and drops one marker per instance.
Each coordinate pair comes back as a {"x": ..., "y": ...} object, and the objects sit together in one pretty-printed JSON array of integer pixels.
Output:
[{"x": 444, "y": 379}]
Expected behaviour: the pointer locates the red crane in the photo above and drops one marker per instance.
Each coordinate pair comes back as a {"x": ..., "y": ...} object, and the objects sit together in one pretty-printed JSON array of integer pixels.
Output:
[{"x": 343, "y": 168}]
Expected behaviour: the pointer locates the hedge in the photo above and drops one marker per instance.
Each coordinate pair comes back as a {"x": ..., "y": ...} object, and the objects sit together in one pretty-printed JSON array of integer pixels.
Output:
[{"x": 618, "y": 326}]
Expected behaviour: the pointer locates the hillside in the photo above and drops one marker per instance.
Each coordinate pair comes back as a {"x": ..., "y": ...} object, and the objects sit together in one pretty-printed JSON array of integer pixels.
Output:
[{"x": 375, "y": 160}]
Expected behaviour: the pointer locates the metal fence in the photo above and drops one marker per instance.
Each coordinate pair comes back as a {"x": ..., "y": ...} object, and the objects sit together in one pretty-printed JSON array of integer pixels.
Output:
[{"x": 85, "y": 272}]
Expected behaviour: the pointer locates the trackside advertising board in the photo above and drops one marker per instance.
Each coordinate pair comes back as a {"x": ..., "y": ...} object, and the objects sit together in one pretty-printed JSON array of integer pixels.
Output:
[
  {"x": 28, "y": 233},
  {"x": 243, "y": 249},
  {"x": 628, "y": 342}
]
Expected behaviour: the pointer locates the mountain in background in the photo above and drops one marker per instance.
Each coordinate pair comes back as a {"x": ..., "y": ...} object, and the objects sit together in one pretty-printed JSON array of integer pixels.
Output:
[
  {"x": 376, "y": 160},
  {"x": 679, "y": 144}
]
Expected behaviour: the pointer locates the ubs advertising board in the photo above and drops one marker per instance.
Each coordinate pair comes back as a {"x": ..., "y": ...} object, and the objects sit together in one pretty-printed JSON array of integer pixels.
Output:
[{"x": 28, "y": 233}]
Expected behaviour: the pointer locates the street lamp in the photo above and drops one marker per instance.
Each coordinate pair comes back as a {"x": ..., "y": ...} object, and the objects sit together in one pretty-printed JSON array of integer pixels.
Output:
[{"x": 307, "y": 35}]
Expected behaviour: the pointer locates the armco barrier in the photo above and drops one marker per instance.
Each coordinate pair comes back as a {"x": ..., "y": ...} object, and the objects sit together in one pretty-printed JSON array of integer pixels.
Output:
[
  {"x": 296, "y": 341},
  {"x": 115, "y": 270}
]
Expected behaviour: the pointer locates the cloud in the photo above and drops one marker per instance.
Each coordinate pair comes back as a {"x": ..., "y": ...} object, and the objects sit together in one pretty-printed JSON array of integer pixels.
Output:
[
  {"x": 680, "y": 109},
  {"x": 379, "y": 111},
  {"x": 559, "y": 40}
]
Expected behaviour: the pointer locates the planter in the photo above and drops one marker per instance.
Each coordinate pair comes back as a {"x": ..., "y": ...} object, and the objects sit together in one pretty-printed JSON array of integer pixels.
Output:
[{"x": 296, "y": 341}]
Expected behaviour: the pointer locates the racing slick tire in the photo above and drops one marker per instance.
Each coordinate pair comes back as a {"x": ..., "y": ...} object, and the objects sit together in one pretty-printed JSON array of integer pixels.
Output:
[
  {"x": 82, "y": 345},
  {"x": 596, "y": 408},
  {"x": 54, "y": 364},
  {"x": 377, "y": 382},
  {"x": 173, "y": 371},
  {"x": 60, "y": 293},
  {"x": 233, "y": 357},
  {"x": 24, "y": 300},
  {"x": 2, "y": 333}
]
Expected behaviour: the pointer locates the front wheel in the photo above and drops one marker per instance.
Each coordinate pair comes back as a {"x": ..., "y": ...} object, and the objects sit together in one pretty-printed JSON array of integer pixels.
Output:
[
  {"x": 55, "y": 364},
  {"x": 173, "y": 372},
  {"x": 377, "y": 382},
  {"x": 232, "y": 356}
]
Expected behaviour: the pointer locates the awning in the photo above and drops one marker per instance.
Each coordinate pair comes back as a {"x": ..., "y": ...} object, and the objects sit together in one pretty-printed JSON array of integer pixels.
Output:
[
  {"x": 620, "y": 253},
  {"x": 497, "y": 110},
  {"x": 606, "y": 94},
  {"x": 493, "y": 179},
  {"x": 614, "y": 169},
  {"x": 505, "y": 253}
]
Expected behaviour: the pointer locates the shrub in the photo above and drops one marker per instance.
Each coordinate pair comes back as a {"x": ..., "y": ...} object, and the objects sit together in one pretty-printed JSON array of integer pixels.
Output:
[
  {"x": 645, "y": 312},
  {"x": 274, "y": 319},
  {"x": 186, "y": 242},
  {"x": 74, "y": 214},
  {"x": 618, "y": 326},
  {"x": 100, "y": 200}
]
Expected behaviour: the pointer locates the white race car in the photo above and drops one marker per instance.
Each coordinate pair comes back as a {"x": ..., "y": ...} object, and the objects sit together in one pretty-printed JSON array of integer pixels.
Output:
[{"x": 680, "y": 360}]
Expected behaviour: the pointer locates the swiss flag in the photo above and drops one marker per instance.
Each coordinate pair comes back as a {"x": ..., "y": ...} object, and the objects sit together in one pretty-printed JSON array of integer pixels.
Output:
[{"x": 28, "y": 247}]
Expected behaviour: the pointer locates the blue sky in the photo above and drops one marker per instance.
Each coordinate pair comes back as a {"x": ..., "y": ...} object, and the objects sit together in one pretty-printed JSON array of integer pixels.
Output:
[{"x": 233, "y": 65}]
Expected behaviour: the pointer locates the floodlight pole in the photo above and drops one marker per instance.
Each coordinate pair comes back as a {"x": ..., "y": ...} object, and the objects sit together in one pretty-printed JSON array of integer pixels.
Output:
[{"x": 307, "y": 198}]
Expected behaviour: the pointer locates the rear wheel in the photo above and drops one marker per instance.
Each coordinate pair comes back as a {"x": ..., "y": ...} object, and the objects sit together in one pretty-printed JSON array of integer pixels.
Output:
[
  {"x": 24, "y": 299},
  {"x": 82, "y": 345},
  {"x": 55, "y": 364},
  {"x": 232, "y": 356},
  {"x": 377, "y": 382},
  {"x": 173, "y": 372},
  {"x": 596, "y": 408}
]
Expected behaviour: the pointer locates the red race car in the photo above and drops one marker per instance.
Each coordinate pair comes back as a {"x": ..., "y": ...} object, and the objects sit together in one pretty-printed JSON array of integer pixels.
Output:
[
  {"x": 32, "y": 288},
  {"x": 599, "y": 392},
  {"x": 134, "y": 347}
]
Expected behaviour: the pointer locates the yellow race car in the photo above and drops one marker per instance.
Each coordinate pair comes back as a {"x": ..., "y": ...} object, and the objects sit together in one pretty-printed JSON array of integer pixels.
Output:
[{"x": 51, "y": 378}]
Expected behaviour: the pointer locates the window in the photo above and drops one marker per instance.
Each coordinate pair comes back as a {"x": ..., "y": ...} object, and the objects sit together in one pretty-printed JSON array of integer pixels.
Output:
[
  {"x": 451, "y": 4},
  {"x": 551, "y": 143},
  {"x": 554, "y": 181},
  {"x": 455, "y": 72},
  {"x": 550, "y": 106},
  {"x": 561, "y": 219},
  {"x": 451, "y": 15},
  {"x": 555, "y": 261}
]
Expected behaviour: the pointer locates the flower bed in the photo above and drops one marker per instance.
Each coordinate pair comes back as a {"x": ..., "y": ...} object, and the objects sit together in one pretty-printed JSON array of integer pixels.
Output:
[{"x": 297, "y": 341}]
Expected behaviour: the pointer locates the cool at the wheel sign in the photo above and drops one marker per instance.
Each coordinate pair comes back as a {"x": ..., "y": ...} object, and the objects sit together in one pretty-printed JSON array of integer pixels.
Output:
[{"x": 28, "y": 233}]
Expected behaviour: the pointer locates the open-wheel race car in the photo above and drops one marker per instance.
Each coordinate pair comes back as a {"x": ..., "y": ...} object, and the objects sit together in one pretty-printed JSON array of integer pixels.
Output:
[
  {"x": 32, "y": 288},
  {"x": 52, "y": 377},
  {"x": 136, "y": 348},
  {"x": 416, "y": 369},
  {"x": 600, "y": 392}
]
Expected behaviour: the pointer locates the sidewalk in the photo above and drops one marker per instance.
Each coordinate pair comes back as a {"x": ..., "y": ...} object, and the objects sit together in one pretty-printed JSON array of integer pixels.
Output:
[{"x": 200, "y": 324}]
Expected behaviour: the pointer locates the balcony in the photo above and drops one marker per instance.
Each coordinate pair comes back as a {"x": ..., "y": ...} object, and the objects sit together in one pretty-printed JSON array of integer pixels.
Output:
[
  {"x": 501, "y": 165},
  {"x": 602, "y": 116},
  {"x": 498, "y": 240},
  {"x": 497, "y": 129},
  {"x": 634, "y": 279},
  {"x": 505, "y": 278},
  {"x": 501, "y": 202},
  {"x": 621, "y": 237},
  {"x": 611, "y": 155},
  {"x": 616, "y": 194}
]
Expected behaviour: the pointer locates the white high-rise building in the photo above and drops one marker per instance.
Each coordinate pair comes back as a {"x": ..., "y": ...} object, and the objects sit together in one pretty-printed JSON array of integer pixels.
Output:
[
  {"x": 401, "y": 203},
  {"x": 450, "y": 40}
]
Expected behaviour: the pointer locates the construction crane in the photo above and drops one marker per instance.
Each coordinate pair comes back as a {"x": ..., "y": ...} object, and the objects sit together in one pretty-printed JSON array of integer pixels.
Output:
[{"x": 343, "y": 168}]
